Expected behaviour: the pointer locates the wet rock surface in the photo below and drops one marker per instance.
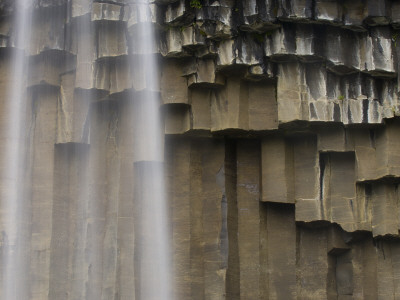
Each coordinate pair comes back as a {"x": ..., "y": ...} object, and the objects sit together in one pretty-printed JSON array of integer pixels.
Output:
[{"x": 282, "y": 134}]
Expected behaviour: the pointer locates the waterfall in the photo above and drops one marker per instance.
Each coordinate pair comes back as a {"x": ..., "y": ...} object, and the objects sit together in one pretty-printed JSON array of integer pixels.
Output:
[
  {"x": 14, "y": 204},
  {"x": 152, "y": 239},
  {"x": 76, "y": 249}
]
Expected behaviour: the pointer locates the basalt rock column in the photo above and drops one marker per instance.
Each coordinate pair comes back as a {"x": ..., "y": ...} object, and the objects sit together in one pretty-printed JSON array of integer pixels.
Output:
[{"x": 281, "y": 157}]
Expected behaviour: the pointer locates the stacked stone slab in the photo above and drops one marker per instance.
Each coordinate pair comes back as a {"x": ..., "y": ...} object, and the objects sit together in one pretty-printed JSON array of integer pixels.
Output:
[{"x": 282, "y": 140}]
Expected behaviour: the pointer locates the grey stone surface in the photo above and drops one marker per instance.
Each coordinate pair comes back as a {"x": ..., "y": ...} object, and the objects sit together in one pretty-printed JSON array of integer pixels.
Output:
[{"x": 281, "y": 124}]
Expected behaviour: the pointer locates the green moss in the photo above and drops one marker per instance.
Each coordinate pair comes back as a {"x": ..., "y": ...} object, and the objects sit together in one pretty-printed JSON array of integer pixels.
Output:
[
  {"x": 341, "y": 97},
  {"x": 395, "y": 37},
  {"x": 203, "y": 33},
  {"x": 195, "y": 4}
]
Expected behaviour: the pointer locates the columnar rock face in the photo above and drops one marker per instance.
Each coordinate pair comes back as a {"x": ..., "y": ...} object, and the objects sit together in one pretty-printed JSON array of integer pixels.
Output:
[{"x": 282, "y": 140}]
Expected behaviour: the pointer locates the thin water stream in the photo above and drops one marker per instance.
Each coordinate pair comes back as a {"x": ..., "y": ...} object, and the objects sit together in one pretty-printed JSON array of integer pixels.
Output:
[
  {"x": 14, "y": 238},
  {"x": 152, "y": 232}
]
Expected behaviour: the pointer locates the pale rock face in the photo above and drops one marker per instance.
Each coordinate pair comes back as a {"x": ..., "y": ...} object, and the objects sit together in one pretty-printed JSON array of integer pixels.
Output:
[
  {"x": 281, "y": 136},
  {"x": 80, "y": 7}
]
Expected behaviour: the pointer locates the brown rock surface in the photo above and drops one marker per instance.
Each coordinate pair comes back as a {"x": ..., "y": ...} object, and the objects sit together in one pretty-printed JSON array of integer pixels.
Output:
[{"x": 282, "y": 141}]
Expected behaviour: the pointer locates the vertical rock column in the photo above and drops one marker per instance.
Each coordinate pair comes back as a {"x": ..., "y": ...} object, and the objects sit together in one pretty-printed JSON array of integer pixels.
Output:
[
  {"x": 248, "y": 202},
  {"x": 200, "y": 190},
  {"x": 43, "y": 135},
  {"x": 68, "y": 241},
  {"x": 15, "y": 206},
  {"x": 152, "y": 255}
]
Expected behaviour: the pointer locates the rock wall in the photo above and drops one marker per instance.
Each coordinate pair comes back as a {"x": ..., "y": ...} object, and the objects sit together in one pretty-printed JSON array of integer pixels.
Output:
[{"x": 282, "y": 143}]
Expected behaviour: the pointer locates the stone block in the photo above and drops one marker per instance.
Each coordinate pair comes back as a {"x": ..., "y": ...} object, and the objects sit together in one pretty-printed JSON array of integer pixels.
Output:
[
  {"x": 204, "y": 73},
  {"x": 306, "y": 181},
  {"x": 328, "y": 11},
  {"x": 209, "y": 233},
  {"x": 226, "y": 56},
  {"x": 387, "y": 281},
  {"x": 179, "y": 166},
  {"x": 316, "y": 82},
  {"x": 354, "y": 13},
  {"x": 248, "y": 202},
  {"x": 280, "y": 44},
  {"x": 113, "y": 75},
  {"x": 336, "y": 241},
  {"x": 176, "y": 12},
  {"x": 240, "y": 51},
  {"x": 389, "y": 99},
  {"x": 309, "y": 44},
  {"x": 378, "y": 12},
  {"x": 72, "y": 116},
  {"x": 109, "y": 12},
  {"x": 365, "y": 262},
  {"x": 44, "y": 103},
  {"x": 259, "y": 17},
  {"x": 193, "y": 38},
  {"x": 277, "y": 170},
  {"x": 45, "y": 69},
  {"x": 331, "y": 139},
  {"x": 216, "y": 13},
  {"x": 260, "y": 72},
  {"x": 294, "y": 10},
  {"x": 173, "y": 84},
  {"x": 344, "y": 276},
  {"x": 365, "y": 163},
  {"x": 338, "y": 205},
  {"x": 200, "y": 100},
  {"x": 262, "y": 110},
  {"x": 177, "y": 118},
  {"x": 85, "y": 75},
  {"x": 385, "y": 210},
  {"x": 382, "y": 63},
  {"x": 229, "y": 106},
  {"x": 111, "y": 40},
  {"x": 68, "y": 219},
  {"x": 48, "y": 30},
  {"x": 337, "y": 45},
  {"x": 289, "y": 92},
  {"x": 395, "y": 14},
  {"x": 80, "y": 7},
  {"x": 355, "y": 111},
  {"x": 172, "y": 46},
  {"x": 388, "y": 160},
  {"x": 280, "y": 284},
  {"x": 312, "y": 264}
]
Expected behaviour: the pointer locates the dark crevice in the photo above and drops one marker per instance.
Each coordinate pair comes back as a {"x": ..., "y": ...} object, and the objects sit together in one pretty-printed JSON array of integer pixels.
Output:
[
  {"x": 365, "y": 105},
  {"x": 321, "y": 181},
  {"x": 372, "y": 138},
  {"x": 232, "y": 283}
]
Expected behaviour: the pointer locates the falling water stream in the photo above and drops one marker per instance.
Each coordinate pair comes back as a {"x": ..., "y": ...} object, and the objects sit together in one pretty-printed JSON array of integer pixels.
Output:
[
  {"x": 152, "y": 257},
  {"x": 152, "y": 248},
  {"x": 14, "y": 240}
]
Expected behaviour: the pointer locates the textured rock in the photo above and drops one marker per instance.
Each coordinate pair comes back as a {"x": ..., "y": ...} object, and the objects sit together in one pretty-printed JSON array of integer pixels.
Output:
[{"x": 282, "y": 137}]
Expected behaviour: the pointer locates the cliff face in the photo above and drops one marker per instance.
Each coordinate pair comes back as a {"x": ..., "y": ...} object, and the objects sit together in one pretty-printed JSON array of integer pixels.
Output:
[{"x": 282, "y": 142}]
